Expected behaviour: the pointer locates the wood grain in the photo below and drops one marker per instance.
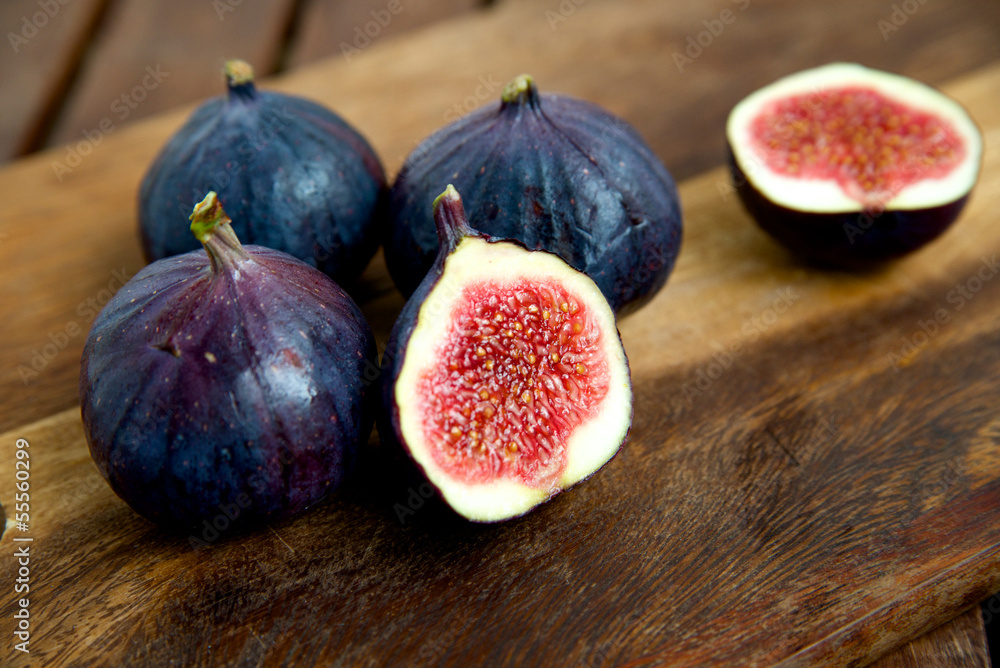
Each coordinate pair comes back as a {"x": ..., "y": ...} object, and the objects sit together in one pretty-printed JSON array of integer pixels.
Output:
[
  {"x": 812, "y": 503},
  {"x": 185, "y": 42},
  {"x": 960, "y": 644},
  {"x": 334, "y": 27},
  {"x": 41, "y": 54}
]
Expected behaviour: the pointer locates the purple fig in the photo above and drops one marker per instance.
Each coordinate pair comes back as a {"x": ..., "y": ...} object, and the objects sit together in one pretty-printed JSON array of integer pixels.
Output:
[
  {"x": 226, "y": 378},
  {"x": 555, "y": 173},
  {"x": 294, "y": 176}
]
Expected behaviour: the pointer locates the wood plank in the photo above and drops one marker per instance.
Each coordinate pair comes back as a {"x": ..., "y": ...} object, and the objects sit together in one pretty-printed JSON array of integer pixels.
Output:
[
  {"x": 335, "y": 27},
  {"x": 960, "y": 644},
  {"x": 812, "y": 505},
  {"x": 184, "y": 42},
  {"x": 42, "y": 52}
]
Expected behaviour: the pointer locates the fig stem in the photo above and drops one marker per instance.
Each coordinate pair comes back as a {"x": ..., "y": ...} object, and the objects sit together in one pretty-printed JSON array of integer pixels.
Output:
[
  {"x": 449, "y": 217},
  {"x": 211, "y": 226},
  {"x": 239, "y": 80},
  {"x": 520, "y": 91}
]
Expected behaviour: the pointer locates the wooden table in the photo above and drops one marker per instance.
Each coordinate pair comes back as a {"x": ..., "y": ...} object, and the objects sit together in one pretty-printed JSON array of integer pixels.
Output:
[{"x": 68, "y": 240}]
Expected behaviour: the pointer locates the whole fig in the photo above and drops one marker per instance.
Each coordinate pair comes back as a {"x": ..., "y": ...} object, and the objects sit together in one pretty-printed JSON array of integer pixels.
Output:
[
  {"x": 555, "y": 173},
  {"x": 230, "y": 377},
  {"x": 294, "y": 176}
]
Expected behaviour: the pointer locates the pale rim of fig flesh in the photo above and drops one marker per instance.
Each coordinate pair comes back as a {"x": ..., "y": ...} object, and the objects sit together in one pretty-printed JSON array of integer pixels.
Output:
[
  {"x": 588, "y": 447},
  {"x": 826, "y": 195}
]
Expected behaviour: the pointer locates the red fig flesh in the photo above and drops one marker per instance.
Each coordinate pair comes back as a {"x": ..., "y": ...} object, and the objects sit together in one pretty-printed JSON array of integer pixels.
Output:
[
  {"x": 848, "y": 165},
  {"x": 508, "y": 381}
]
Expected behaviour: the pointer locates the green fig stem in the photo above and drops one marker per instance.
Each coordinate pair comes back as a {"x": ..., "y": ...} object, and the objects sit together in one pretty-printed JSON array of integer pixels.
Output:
[
  {"x": 521, "y": 91},
  {"x": 211, "y": 226},
  {"x": 239, "y": 79},
  {"x": 449, "y": 217}
]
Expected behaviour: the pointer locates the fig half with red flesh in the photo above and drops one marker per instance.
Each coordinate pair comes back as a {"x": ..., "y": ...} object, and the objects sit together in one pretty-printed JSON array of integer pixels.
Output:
[
  {"x": 506, "y": 380},
  {"x": 849, "y": 165}
]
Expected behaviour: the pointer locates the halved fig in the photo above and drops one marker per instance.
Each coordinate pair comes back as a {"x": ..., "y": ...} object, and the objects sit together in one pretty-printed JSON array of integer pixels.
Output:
[
  {"x": 506, "y": 381},
  {"x": 847, "y": 165}
]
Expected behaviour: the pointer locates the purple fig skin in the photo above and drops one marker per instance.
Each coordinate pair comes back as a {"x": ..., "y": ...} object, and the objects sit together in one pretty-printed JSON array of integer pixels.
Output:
[
  {"x": 226, "y": 380},
  {"x": 293, "y": 175},
  {"x": 555, "y": 173},
  {"x": 853, "y": 239},
  {"x": 451, "y": 227}
]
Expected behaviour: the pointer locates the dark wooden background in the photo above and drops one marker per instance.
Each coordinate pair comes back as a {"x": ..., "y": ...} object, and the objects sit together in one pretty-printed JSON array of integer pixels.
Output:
[{"x": 64, "y": 79}]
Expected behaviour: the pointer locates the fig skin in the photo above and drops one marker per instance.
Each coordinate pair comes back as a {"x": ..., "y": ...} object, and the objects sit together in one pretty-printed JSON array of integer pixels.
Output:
[
  {"x": 228, "y": 379},
  {"x": 293, "y": 175},
  {"x": 452, "y": 226},
  {"x": 555, "y": 173},
  {"x": 854, "y": 239}
]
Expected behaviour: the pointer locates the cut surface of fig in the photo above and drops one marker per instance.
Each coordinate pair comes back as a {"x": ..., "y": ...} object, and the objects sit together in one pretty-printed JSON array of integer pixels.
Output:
[
  {"x": 511, "y": 383},
  {"x": 521, "y": 368},
  {"x": 845, "y": 161}
]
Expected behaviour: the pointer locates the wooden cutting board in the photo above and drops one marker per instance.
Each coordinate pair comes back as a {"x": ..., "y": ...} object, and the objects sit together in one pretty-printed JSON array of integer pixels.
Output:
[{"x": 813, "y": 474}]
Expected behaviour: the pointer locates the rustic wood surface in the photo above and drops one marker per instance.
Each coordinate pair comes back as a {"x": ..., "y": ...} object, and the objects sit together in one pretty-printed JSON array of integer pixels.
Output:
[
  {"x": 66, "y": 67},
  {"x": 956, "y": 644},
  {"x": 37, "y": 65},
  {"x": 334, "y": 27},
  {"x": 721, "y": 250},
  {"x": 184, "y": 42}
]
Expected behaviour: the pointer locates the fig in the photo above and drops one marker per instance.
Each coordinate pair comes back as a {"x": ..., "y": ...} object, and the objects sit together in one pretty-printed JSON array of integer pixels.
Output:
[
  {"x": 505, "y": 379},
  {"x": 226, "y": 378},
  {"x": 293, "y": 175},
  {"x": 848, "y": 165},
  {"x": 554, "y": 172}
]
